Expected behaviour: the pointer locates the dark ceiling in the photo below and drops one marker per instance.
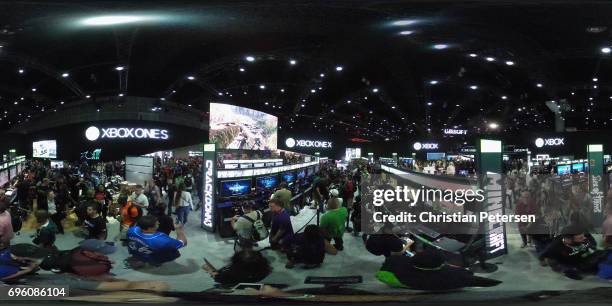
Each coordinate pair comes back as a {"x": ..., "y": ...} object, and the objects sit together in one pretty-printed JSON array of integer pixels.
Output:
[{"x": 386, "y": 49}]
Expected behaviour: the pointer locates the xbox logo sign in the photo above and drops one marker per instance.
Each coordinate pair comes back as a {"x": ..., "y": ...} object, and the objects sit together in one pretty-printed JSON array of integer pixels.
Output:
[
  {"x": 539, "y": 142},
  {"x": 417, "y": 146},
  {"x": 290, "y": 142},
  {"x": 92, "y": 133}
]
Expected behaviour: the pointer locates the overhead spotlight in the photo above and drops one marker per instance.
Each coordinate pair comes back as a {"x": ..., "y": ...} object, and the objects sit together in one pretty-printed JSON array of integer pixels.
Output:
[
  {"x": 34, "y": 89},
  {"x": 406, "y": 32},
  {"x": 189, "y": 105},
  {"x": 121, "y": 95},
  {"x": 429, "y": 103},
  {"x": 65, "y": 75},
  {"x": 539, "y": 85},
  {"x": 62, "y": 102},
  {"x": 220, "y": 94},
  {"x": 21, "y": 71},
  {"x": 510, "y": 63},
  {"x": 339, "y": 68},
  {"x": 87, "y": 96},
  {"x": 595, "y": 79},
  {"x": 191, "y": 78},
  {"x": 322, "y": 75},
  {"x": 241, "y": 69},
  {"x": 250, "y": 58},
  {"x": 473, "y": 87},
  {"x": 433, "y": 82},
  {"x": 595, "y": 86},
  {"x": 493, "y": 125},
  {"x": 282, "y": 90},
  {"x": 606, "y": 50},
  {"x": 490, "y": 59},
  {"x": 473, "y": 55},
  {"x": 292, "y": 62},
  {"x": 573, "y": 93},
  {"x": 313, "y": 91},
  {"x": 504, "y": 97},
  {"x": 119, "y": 68},
  {"x": 440, "y": 46},
  {"x": 262, "y": 86},
  {"x": 403, "y": 22},
  {"x": 374, "y": 89}
]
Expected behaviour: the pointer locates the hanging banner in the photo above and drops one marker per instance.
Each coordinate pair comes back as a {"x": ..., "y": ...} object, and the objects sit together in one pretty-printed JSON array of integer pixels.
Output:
[
  {"x": 596, "y": 184},
  {"x": 491, "y": 182},
  {"x": 209, "y": 175}
]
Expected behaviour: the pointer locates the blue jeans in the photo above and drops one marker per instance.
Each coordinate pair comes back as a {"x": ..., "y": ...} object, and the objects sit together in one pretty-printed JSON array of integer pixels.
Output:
[{"x": 182, "y": 213}]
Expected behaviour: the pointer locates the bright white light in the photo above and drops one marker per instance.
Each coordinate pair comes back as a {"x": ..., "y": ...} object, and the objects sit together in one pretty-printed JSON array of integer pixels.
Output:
[
  {"x": 249, "y": 59},
  {"x": 119, "y": 68},
  {"x": 191, "y": 78},
  {"x": 292, "y": 62},
  {"x": 605, "y": 50},
  {"x": 473, "y": 87},
  {"x": 189, "y": 105},
  {"x": 433, "y": 82},
  {"x": 504, "y": 97},
  {"x": 115, "y": 20},
  {"x": 404, "y": 22},
  {"x": 322, "y": 75},
  {"x": 595, "y": 86},
  {"x": 21, "y": 71},
  {"x": 510, "y": 63},
  {"x": 262, "y": 86},
  {"x": 539, "y": 85},
  {"x": 282, "y": 90},
  {"x": 33, "y": 89},
  {"x": 241, "y": 69},
  {"x": 429, "y": 103},
  {"x": 121, "y": 95},
  {"x": 573, "y": 93},
  {"x": 65, "y": 75},
  {"x": 339, "y": 68},
  {"x": 440, "y": 46},
  {"x": 313, "y": 91},
  {"x": 490, "y": 59},
  {"x": 473, "y": 55},
  {"x": 87, "y": 96},
  {"x": 62, "y": 102},
  {"x": 493, "y": 125},
  {"x": 406, "y": 32},
  {"x": 219, "y": 93},
  {"x": 375, "y": 90}
]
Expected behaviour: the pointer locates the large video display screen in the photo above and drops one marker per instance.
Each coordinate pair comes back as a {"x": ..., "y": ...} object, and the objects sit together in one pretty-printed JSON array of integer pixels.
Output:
[
  {"x": 267, "y": 182},
  {"x": 235, "y": 188},
  {"x": 44, "y": 149},
  {"x": 235, "y": 127}
]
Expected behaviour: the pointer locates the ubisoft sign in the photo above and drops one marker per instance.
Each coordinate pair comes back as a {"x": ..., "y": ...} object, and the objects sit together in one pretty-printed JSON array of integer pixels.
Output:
[{"x": 93, "y": 133}]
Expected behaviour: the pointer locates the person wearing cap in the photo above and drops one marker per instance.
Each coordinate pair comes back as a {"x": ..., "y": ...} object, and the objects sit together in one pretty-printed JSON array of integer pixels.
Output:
[
  {"x": 427, "y": 270},
  {"x": 333, "y": 222},
  {"x": 573, "y": 253}
]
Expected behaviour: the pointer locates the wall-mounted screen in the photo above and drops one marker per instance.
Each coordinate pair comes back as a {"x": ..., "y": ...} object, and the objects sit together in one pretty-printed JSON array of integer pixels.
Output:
[
  {"x": 57, "y": 164},
  {"x": 3, "y": 177},
  {"x": 301, "y": 174},
  {"x": 563, "y": 169},
  {"x": 435, "y": 156},
  {"x": 351, "y": 153},
  {"x": 44, "y": 149},
  {"x": 310, "y": 171},
  {"x": 579, "y": 167},
  {"x": 235, "y": 127},
  {"x": 235, "y": 188},
  {"x": 267, "y": 182},
  {"x": 288, "y": 177}
]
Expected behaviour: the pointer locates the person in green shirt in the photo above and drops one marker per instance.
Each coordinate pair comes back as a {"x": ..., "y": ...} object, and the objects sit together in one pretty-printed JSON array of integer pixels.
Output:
[
  {"x": 283, "y": 195},
  {"x": 333, "y": 222}
]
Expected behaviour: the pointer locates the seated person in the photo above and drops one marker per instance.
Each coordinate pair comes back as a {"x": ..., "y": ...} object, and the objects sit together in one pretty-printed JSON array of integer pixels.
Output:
[
  {"x": 573, "y": 252},
  {"x": 427, "y": 270},
  {"x": 94, "y": 223},
  {"x": 333, "y": 222},
  {"x": 386, "y": 243},
  {"x": 46, "y": 230},
  {"x": 281, "y": 230},
  {"x": 246, "y": 266},
  {"x": 243, "y": 225},
  {"x": 19, "y": 261},
  {"x": 147, "y": 245},
  {"x": 309, "y": 248}
]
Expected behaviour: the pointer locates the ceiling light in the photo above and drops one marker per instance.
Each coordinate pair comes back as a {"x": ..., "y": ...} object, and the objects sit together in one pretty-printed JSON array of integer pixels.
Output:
[
  {"x": 65, "y": 75},
  {"x": 403, "y": 22},
  {"x": 121, "y": 95},
  {"x": 374, "y": 89},
  {"x": 473, "y": 87},
  {"x": 490, "y": 59},
  {"x": 440, "y": 46},
  {"x": 115, "y": 20},
  {"x": 473, "y": 55},
  {"x": 21, "y": 71},
  {"x": 539, "y": 85},
  {"x": 62, "y": 102},
  {"x": 457, "y": 105},
  {"x": 241, "y": 69},
  {"x": 510, "y": 63},
  {"x": 573, "y": 93},
  {"x": 590, "y": 98},
  {"x": 87, "y": 96},
  {"x": 406, "y": 32},
  {"x": 189, "y": 105},
  {"x": 605, "y": 50},
  {"x": 429, "y": 103},
  {"x": 119, "y": 68},
  {"x": 250, "y": 58},
  {"x": 504, "y": 97},
  {"x": 262, "y": 86},
  {"x": 433, "y": 82},
  {"x": 313, "y": 91},
  {"x": 595, "y": 79},
  {"x": 339, "y": 68},
  {"x": 595, "y": 86},
  {"x": 292, "y": 62},
  {"x": 219, "y": 93},
  {"x": 282, "y": 90},
  {"x": 322, "y": 75},
  {"x": 33, "y": 89},
  {"x": 493, "y": 125},
  {"x": 303, "y": 105},
  {"x": 191, "y": 78},
  {"x": 393, "y": 107}
]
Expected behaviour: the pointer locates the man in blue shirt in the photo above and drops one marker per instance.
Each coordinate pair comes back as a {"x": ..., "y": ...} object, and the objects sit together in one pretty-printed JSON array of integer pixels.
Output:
[
  {"x": 147, "y": 245},
  {"x": 281, "y": 232}
]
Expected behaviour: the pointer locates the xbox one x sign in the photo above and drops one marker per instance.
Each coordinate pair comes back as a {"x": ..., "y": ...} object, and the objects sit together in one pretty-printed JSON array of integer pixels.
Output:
[
  {"x": 93, "y": 133},
  {"x": 549, "y": 142},
  {"x": 302, "y": 143}
]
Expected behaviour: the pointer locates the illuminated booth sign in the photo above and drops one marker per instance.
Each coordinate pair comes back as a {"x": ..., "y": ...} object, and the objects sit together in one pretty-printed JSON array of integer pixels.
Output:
[
  {"x": 454, "y": 132},
  {"x": 549, "y": 142},
  {"x": 93, "y": 133},
  {"x": 209, "y": 172},
  {"x": 303, "y": 143},
  {"x": 425, "y": 146}
]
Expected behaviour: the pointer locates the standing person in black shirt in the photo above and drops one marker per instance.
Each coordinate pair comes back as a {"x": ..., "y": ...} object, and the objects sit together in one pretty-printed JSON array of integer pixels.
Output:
[
  {"x": 95, "y": 224},
  {"x": 42, "y": 192}
]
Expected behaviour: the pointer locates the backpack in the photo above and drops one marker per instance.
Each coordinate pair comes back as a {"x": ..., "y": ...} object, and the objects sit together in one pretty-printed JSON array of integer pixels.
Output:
[
  {"x": 260, "y": 231},
  {"x": 87, "y": 263}
]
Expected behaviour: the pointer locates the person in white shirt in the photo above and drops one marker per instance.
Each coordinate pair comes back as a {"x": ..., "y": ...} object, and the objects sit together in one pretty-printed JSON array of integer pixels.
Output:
[
  {"x": 138, "y": 198},
  {"x": 183, "y": 204}
]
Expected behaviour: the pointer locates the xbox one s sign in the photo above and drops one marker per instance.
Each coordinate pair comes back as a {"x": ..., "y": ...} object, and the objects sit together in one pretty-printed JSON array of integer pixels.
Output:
[
  {"x": 549, "y": 142},
  {"x": 93, "y": 133},
  {"x": 303, "y": 143},
  {"x": 425, "y": 146}
]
